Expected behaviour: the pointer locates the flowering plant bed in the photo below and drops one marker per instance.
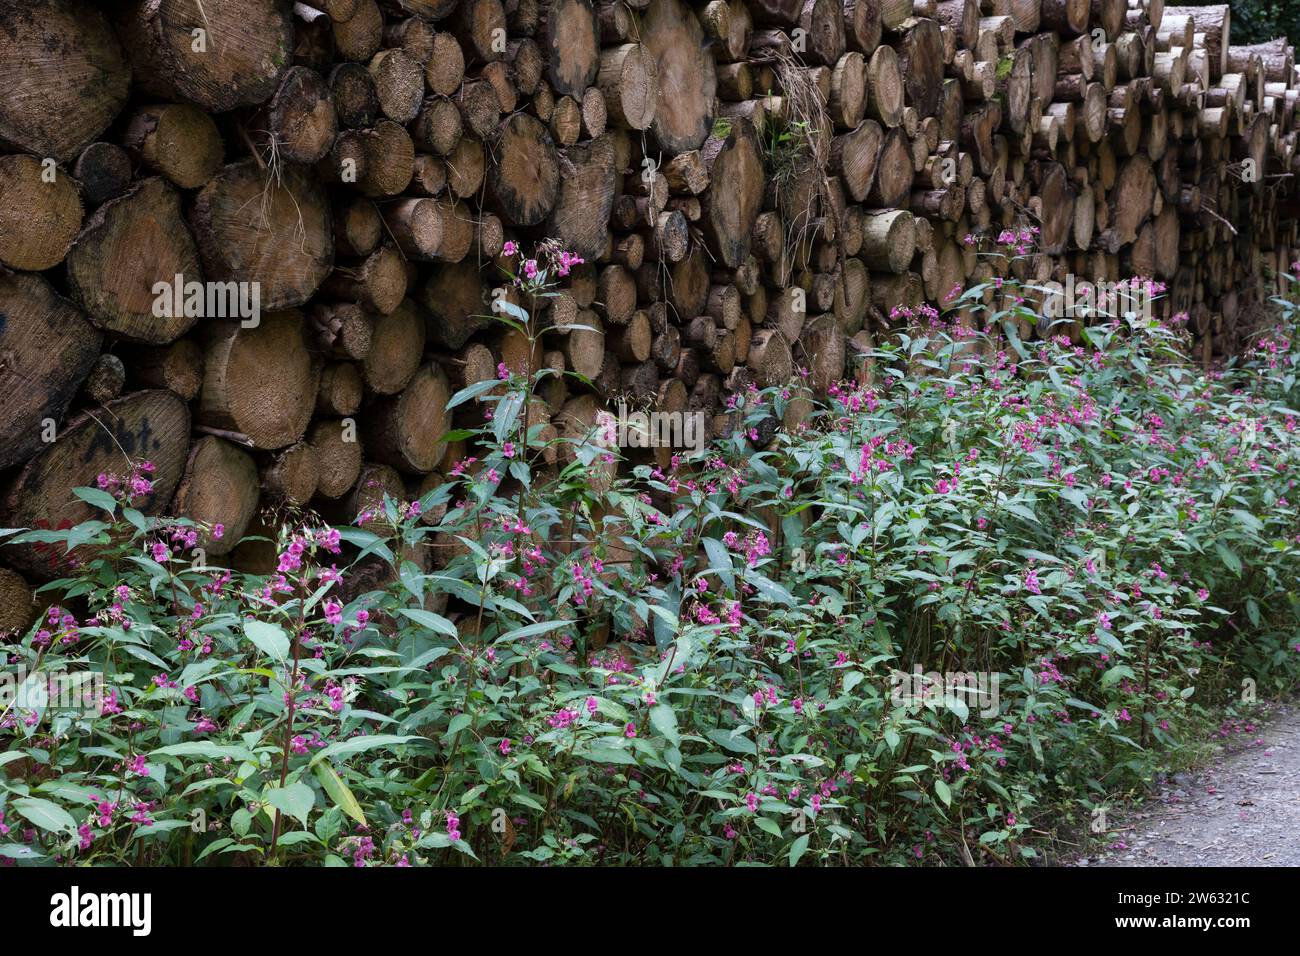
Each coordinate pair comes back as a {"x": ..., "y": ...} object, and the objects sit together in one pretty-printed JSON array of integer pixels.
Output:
[{"x": 719, "y": 659}]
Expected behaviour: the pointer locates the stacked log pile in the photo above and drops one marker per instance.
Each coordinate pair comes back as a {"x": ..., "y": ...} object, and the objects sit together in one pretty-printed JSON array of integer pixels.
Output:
[{"x": 758, "y": 187}]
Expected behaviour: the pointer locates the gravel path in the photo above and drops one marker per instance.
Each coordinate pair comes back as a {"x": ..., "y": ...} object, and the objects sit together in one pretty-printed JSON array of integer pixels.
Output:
[{"x": 1243, "y": 810}]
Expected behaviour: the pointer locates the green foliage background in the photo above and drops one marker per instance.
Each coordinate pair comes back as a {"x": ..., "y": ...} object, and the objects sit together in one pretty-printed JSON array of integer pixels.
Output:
[{"x": 1254, "y": 21}]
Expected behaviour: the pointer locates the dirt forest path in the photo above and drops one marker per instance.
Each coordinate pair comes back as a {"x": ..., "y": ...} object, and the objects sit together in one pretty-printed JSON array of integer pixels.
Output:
[{"x": 1242, "y": 810}]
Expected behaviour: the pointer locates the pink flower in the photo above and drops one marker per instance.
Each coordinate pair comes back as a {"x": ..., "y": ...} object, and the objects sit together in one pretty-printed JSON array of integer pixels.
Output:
[
  {"x": 333, "y": 611},
  {"x": 562, "y": 718}
]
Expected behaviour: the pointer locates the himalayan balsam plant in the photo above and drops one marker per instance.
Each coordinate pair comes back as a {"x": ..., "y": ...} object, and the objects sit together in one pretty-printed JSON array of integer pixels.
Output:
[{"x": 696, "y": 662}]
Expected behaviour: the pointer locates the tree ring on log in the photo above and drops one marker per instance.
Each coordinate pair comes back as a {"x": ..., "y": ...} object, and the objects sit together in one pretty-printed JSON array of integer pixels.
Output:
[
  {"x": 149, "y": 426},
  {"x": 63, "y": 76},
  {"x": 687, "y": 80},
  {"x": 525, "y": 181},
  {"x": 129, "y": 248}
]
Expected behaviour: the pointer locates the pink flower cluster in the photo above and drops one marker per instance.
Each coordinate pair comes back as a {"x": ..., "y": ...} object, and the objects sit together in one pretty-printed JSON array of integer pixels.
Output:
[{"x": 126, "y": 488}]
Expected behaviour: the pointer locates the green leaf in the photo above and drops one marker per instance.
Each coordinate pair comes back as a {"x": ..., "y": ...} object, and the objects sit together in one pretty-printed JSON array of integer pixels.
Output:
[
  {"x": 1248, "y": 520},
  {"x": 205, "y": 750},
  {"x": 434, "y": 622},
  {"x": 665, "y": 721},
  {"x": 339, "y": 792},
  {"x": 736, "y": 743},
  {"x": 957, "y": 706},
  {"x": 944, "y": 793},
  {"x": 1075, "y": 497},
  {"x": 160, "y": 826},
  {"x": 770, "y": 589},
  {"x": 608, "y": 755},
  {"x": 86, "y": 531},
  {"x": 797, "y": 849},
  {"x": 457, "y": 724},
  {"x": 531, "y": 630},
  {"x": 1034, "y": 744},
  {"x": 269, "y": 638},
  {"x": 356, "y": 745},
  {"x": 296, "y": 800},
  {"x": 512, "y": 310},
  {"x": 46, "y": 815},
  {"x": 1013, "y": 336},
  {"x": 18, "y": 851},
  {"x": 1020, "y": 511},
  {"x": 473, "y": 391},
  {"x": 98, "y": 498},
  {"x": 367, "y": 541},
  {"x": 506, "y": 414},
  {"x": 298, "y": 836},
  {"x": 1228, "y": 557},
  {"x": 720, "y": 562}
]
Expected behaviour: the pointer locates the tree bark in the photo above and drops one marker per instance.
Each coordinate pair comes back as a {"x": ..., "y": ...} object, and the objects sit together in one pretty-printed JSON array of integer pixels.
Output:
[
  {"x": 56, "y": 105},
  {"x": 687, "y": 82},
  {"x": 253, "y": 228},
  {"x": 259, "y": 382},
  {"x": 27, "y": 200},
  {"x": 219, "y": 486}
]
